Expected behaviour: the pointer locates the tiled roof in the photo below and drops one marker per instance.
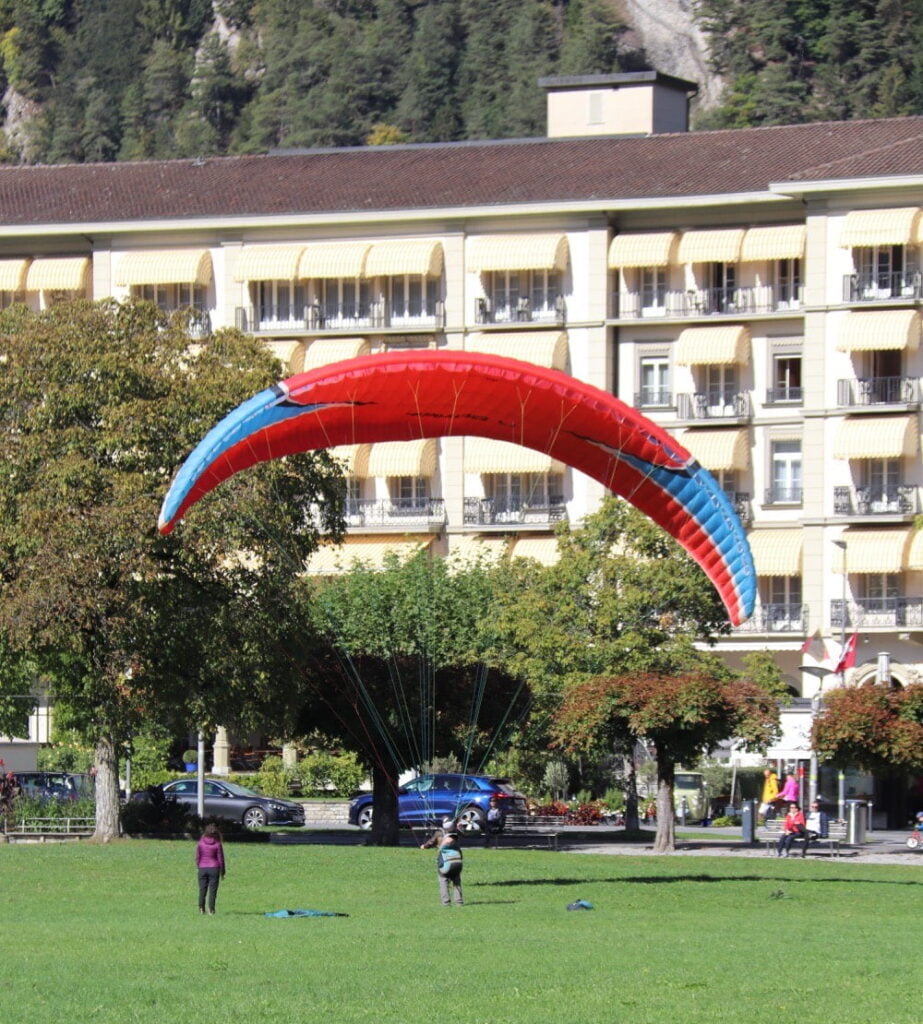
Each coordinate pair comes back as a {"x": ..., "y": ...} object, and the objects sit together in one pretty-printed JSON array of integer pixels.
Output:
[{"x": 444, "y": 176}]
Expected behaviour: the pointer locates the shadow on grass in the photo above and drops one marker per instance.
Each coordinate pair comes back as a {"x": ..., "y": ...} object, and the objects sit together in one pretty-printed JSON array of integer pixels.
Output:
[{"x": 672, "y": 879}]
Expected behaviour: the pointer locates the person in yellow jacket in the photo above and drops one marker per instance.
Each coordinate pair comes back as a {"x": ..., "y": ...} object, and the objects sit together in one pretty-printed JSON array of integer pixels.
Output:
[{"x": 770, "y": 790}]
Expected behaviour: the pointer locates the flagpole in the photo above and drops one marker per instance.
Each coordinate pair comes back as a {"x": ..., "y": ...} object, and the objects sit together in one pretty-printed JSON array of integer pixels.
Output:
[{"x": 841, "y": 778}]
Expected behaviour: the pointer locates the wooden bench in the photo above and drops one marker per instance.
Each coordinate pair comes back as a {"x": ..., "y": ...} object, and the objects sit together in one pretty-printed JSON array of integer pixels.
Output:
[
  {"x": 547, "y": 826},
  {"x": 770, "y": 832}
]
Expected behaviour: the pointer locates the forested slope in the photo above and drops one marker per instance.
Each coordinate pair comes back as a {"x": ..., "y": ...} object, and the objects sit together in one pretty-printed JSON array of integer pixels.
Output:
[{"x": 90, "y": 80}]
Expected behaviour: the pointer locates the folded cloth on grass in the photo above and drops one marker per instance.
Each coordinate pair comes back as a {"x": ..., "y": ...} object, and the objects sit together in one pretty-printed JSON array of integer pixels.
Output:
[{"x": 304, "y": 913}]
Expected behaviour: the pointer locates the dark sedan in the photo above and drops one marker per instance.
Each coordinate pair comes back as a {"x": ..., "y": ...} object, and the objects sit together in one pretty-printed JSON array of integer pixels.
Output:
[{"x": 230, "y": 802}]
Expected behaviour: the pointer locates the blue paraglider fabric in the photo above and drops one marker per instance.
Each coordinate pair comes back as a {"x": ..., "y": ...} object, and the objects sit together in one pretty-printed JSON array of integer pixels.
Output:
[{"x": 304, "y": 913}]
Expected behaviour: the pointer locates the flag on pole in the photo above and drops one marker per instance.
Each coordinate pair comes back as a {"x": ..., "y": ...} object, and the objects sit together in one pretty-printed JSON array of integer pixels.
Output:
[{"x": 847, "y": 655}]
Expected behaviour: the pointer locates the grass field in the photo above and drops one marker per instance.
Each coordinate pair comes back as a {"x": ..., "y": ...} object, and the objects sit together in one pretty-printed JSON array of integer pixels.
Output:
[{"x": 111, "y": 934}]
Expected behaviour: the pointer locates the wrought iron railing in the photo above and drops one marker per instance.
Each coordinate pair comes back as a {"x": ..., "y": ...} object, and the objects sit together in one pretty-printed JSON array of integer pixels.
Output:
[
  {"x": 338, "y": 316},
  {"x": 523, "y": 310},
  {"x": 419, "y": 512},
  {"x": 870, "y": 612},
  {"x": 634, "y": 305},
  {"x": 654, "y": 398},
  {"x": 498, "y": 512},
  {"x": 899, "y": 499},
  {"x": 875, "y": 286},
  {"x": 878, "y": 391},
  {"x": 713, "y": 404},
  {"x": 776, "y": 618},
  {"x": 784, "y": 396},
  {"x": 780, "y": 494}
]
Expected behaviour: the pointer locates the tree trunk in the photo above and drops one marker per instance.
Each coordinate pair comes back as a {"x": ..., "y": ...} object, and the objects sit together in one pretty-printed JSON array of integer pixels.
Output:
[
  {"x": 385, "y": 825},
  {"x": 665, "y": 840},
  {"x": 107, "y": 791},
  {"x": 632, "y": 820}
]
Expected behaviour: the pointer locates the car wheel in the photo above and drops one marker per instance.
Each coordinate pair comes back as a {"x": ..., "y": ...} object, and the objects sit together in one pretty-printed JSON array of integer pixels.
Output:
[
  {"x": 913, "y": 842},
  {"x": 364, "y": 818},
  {"x": 254, "y": 817},
  {"x": 471, "y": 819}
]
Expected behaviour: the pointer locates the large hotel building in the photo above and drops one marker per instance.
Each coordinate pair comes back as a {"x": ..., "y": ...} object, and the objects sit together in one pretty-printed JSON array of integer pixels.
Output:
[{"x": 756, "y": 292}]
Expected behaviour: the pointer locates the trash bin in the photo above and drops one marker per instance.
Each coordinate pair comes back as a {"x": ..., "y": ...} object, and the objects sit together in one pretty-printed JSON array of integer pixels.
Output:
[
  {"x": 856, "y": 817},
  {"x": 748, "y": 821}
]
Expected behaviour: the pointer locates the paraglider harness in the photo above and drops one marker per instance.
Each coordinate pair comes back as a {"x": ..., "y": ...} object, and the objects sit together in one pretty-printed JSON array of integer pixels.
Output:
[{"x": 449, "y": 861}]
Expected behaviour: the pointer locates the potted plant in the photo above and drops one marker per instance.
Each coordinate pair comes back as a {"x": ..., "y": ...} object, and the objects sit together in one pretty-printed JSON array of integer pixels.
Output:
[{"x": 191, "y": 759}]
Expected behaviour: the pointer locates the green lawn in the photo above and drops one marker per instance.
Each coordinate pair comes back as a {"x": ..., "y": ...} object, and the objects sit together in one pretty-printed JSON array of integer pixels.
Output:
[{"x": 111, "y": 934}]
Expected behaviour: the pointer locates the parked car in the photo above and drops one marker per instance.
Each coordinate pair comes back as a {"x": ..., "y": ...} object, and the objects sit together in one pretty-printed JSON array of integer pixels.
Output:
[
  {"x": 230, "y": 802},
  {"x": 70, "y": 786},
  {"x": 428, "y": 799}
]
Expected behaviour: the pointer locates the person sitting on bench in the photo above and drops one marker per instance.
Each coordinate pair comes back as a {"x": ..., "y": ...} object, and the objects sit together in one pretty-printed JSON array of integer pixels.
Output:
[{"x": 817, "y": 825}]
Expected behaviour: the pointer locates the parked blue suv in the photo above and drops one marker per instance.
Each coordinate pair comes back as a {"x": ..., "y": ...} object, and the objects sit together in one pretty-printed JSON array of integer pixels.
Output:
[{"x": 428, "y": 799}]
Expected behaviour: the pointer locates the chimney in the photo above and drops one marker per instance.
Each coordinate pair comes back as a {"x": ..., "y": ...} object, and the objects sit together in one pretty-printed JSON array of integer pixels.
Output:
[{"x": 634, "y": 103}]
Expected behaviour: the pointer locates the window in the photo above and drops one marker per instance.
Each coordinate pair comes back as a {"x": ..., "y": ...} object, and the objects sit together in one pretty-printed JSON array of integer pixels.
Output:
[
  {"x": 523, "y": 295},
  {"x": 883, "y": 271},
  {"x": 412, "y": 297},
  {"x": 720, "y": 392},
  {"x": 783, "y": 610},
  {"x": 512, "y": 492},
  {"x": 171, "y": 296},
  {"x": 788, "y": 284},
  {"x": 879, "y": 591},
  {"x": 722, "y": 283},
  {"x": 344, "y": 301},
  {"x": 409, "y": 491},
  {"x": 279, "y": 303},
  {"x": 653, "y": 288},
  {"x": 786, "y": 379},
  {"x": 785, "y": 590},
  {"x": 785, "y": 472},
  {"x": 882, "y": 480},
  {"x": 654, "y": 376}
]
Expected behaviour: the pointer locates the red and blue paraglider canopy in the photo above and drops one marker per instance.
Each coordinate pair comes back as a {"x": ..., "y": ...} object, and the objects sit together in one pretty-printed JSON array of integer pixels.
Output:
[{"x": 407, "y": 396}]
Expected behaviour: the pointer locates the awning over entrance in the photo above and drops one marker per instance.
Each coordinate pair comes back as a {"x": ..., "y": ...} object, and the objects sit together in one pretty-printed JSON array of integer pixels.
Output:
[
  {"x": 897, "y": 226},
  {"x": 713, "y": 346},
  {"x": 60, "y": 274},
  {"x": 483, "y": 455},
  {"x": 404, "y": 458},
  {"x": 719, "y": 449},
  {"x": 895, "y": 329},
  {"x": 877, "y": 437},
  {"x": 713, "y": 246},
  {"x": 518, "y": 252},
  {"x": 643, "y": 249},
  {"x": 544, "y": 348},
  {"x": 165, "y": 266},
  {"x": 777, "y": 552}
]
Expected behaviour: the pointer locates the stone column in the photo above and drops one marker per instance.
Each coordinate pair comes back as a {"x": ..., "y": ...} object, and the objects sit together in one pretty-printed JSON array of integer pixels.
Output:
[{"x": 220, "y": 751}]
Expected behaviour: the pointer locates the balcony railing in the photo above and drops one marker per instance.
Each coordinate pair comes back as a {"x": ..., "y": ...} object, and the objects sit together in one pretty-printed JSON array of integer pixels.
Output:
[
  {"x": 784, "y": 396},
  {"x": 713, "y": 405},
  {"x": 740, "y": 500},
  {"x": 783, "y": 495},
  {"x": 875, "y": 286},
  {"x": 337, "y": 317},
  {"x": 522, "y": 311},
  {"x": 654, "y": 398},
  {"x": 878, "y": 391},
  {"x": 423, "y": 513},
  {"x": 870, "y": 612},
  {"x": 497, "y": 512},
  {"x": 636, "y": 305},
  {"x": 776, "y": 618},
  {"x": 899, "y": 499}
]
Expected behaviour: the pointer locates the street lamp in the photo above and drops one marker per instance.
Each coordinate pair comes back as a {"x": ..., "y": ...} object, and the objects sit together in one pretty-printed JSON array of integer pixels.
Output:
[{"x": 841, "y": 777}]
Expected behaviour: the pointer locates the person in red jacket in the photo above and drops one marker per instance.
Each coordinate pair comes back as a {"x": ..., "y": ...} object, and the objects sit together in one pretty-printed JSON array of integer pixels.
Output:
[
  {"x": 793, "y": 827},
  {"x": 209, "y": 859}
]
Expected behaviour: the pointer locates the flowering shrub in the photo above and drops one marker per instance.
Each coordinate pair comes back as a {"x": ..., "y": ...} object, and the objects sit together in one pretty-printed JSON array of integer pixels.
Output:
[{"x": 577, "y": 814}]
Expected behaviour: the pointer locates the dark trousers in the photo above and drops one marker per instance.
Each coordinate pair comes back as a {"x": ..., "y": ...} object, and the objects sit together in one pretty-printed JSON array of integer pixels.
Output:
[
  {"x": 787, "y": 838},
  {"x": 208, "y": 886}
]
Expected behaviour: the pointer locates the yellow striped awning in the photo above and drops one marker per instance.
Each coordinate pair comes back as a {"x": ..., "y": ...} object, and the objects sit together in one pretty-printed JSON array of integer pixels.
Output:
[
  {"x": 877, "y": 437},
  {"x": 544, "y": 348},
  {"x": 518, "y": 252},
  {"x": 899, "y": 226},
  {"x": 720, "y": 245},
  {"x": 543, "y": 549},
  {"x": 332, "y": 260},
  {"x": 370, "y": 551},
  {"x": 476, "y": 547},
  {"x": 776, "y": 552},
  {"x": 483, "y": 455},
  {"x": 323, "y": 351},
  {"x": 165, "y": 266},
  {"x": 643, "y": 249},
  {"x": 63, "y": 273},
  {"x": 897, "y": 329},
  {"x": 354, "y": 457},
  {"x": 874, "y": 551},
  {"x": 779, "y": 242},
  {"x": 418, "y": 256},
  {"x": 915, "y": 555},
  {"x": 268, "y": 263},
  {"x": 713, "y": 346},
  {"x": 719, "y": 449},
  {"x": 404, "y": 458},
  {"x": 289, "y": 353},
  {"x": 13, "y": 275}
]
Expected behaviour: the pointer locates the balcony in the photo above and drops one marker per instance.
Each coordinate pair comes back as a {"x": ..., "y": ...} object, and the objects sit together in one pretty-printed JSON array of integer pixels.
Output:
[
  {"x": 714, "y": 404},
  {"x": 882, "y": 287},
  {"x": 776, "y": 618},
  {"x": 654, "y": 398},
  {"x": 783, "y": 494},
  {"x": 398, "y": 513},
  {"x": 881, "y": 612},
  {"x": 740, "y": 502},
  {"x": 313, "y": 317},
  {"x": 896, "y": 500},
  {"x": 520, "y": 311},
  {"x": 632, "y": 305},
  {"x": 871, "y": 391},
  {"x": 514, "y": 512},
  {"x": 784, "y": 396}
]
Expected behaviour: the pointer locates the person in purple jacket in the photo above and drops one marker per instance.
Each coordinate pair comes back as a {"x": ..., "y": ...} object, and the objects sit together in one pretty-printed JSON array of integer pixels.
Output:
[{"x": 209, "y": 859}]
